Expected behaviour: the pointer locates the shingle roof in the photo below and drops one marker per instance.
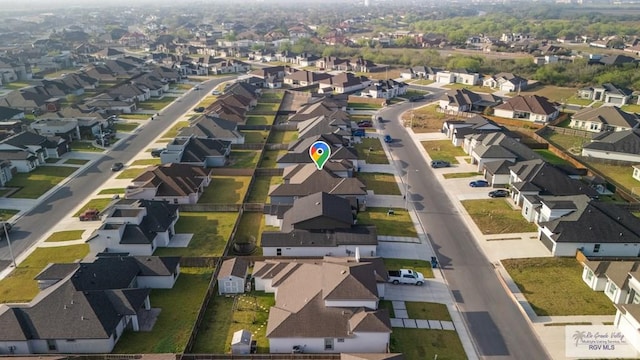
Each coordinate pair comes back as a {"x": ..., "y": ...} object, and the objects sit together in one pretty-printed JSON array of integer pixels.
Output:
[
  {"x": 306, "y": 179},
  {"x": 173, "y": 179},
  {"x": 233, "y": 267},
  {"x": 532, "y": 104},
  {"x": 626, "y": 141},
  {"x": 610, "y": 115}
]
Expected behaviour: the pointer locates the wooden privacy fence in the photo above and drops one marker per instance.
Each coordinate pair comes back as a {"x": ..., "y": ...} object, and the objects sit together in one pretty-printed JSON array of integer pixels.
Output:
[
  {"x": 571, "y": 132},
  {"x": 261, "y": 357},
  {"x": 233, "y": 172},
  {"x": 210, "y": 207}
]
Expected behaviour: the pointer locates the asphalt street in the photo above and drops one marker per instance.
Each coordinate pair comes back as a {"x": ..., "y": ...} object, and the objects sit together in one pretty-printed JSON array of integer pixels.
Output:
[
  {"x": 498, "y": 328},
  {"x": 32, "y": 225}
]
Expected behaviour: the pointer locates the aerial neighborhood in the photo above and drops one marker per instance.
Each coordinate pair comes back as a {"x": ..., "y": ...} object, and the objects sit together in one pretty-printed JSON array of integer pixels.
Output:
[{"x": 366, "y": 181}]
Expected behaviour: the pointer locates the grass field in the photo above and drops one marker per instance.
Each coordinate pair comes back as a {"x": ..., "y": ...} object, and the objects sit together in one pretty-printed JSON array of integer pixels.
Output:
[
  {"x": 255, "y": 136},
  {"x": 622, "y": 174},
  {"x": 87, "y": 146},
  {"x": 474, "y": 88},
  {"x": 282, "y": 137},
  {"x": 250, "y": 229},
  {"x": 259, "y": 192},
  {"x": 495, "y": 216},
  {"x": 399, "y": 224},
  {"x": 76, "y": 161},
  {"x": 371, "y": 151},
  {"x": 554, "y": 286},
  {"x": 111, "y": 191},
  {"x": 422, "y": 344},
  {"x": 134, "y": 116},
  {"x": 211, "y": 231},
  {"x": 6, "y": 214},
  {"x": 156, "y": 104},
  {"x": 575, "y": 100},
  {"x": 381, "y": 184},
  {"x": 553, "y": 93},
  {"x": 131, "y": 173},
  {"x": 34, "y": 184},
  {"x": 567, "y": 142},
  {"x": 126, "y": 127},
  {"x": 424, "y": 119},
  {"x": 65, "y": 236},
  {"x": 460, "y": 175},
  {"x": 363, "y": 106},
  {"x": 225, "y": 190},
  {"x": 270, "y": 158},
  {"x": 427, "y": 311},
  {"x": 260, "y": 119},
  {"x": 173, "y": 328},
  {"x": 443, "y": 150},
  {"x": 173, "y": 132},
  {"x": 551, "y": 158},
  {"x": 420, "y": 266},
  {"x": 635, "y": 108},
  {"x": 99, "y": 204},
  {"x": 146, "y": 162},
  {"x": 207, "y": 101},
  {"x": 243, "y": 159}
]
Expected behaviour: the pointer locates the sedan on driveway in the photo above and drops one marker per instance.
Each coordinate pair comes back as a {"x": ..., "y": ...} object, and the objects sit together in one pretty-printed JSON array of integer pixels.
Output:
[
  {"x": 479, "y": 183},
  {"x": 117, "y": 166},
  {"x": 499, "y": 193},
  {"x": 440, "y": 164}
]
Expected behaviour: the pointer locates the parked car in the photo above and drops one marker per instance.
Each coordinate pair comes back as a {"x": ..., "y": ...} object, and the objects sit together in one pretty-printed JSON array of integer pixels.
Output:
[
  {"x": 157, "y": 151},
  {"x": 499, "y": 193},
  {"x": 365, "y": 123},
  {"x": 199, "y": 109},
  {"x": 406, "y": 276},
  {"x": 215, "y": 92},
  {"x": 117, "y": 166},
  {"x": 388, "y": 139},
  {"x": 358, "y": 132},
  {"x": 4, "y": 225},
  {"x": 90, "y": 215},
  {"x": 479, "y": 183},
  {"x": 416, "y": 98},
  {"x": 440, "y": 164}
]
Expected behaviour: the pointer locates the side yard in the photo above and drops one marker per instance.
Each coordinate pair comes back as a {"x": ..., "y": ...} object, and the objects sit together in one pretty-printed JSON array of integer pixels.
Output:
[
  {"x": 34, "y": 184},
  {"x": 443, "y": 150},
  {"x": 495, "y": 216}
]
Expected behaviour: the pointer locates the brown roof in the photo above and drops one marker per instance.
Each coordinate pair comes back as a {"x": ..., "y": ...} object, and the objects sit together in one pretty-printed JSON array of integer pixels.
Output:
[
  {"x": 172, "y": 179},
  {"x": 532, "y": 104},
  {"x": 632, "y": 309},
  {"x": 302, "y": 180},
  {"x": 234, "y": 267},
  {"x": 370, "y": 321}
]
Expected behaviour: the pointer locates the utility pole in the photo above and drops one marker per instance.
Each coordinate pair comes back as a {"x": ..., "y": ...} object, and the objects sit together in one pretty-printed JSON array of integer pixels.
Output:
[{"x": 6, "y": 233}]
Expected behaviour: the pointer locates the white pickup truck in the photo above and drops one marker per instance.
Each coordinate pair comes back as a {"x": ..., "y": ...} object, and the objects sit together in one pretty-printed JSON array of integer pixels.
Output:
[{"x": 406, "y": 276}]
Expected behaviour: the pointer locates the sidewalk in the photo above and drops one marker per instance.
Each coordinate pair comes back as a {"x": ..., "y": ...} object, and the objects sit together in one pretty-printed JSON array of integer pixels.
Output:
[{"x": 402, "y": 319}]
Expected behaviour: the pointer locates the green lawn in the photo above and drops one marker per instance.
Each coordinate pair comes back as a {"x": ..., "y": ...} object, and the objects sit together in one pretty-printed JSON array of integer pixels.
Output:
[
  {"x": 207, "y": 101},
  {"x": 111, "y": 191},
  {"x": 52, "y": 160},
  {"x": 99, "y": 204},
  {"x": 474, "y": 88},
  {"x": 381, "y": 184},
  {"x": 180, "y": 307},
  {"x": 554, "y": 286},
  {"x": 575, "y": 100},
  {"x": 495, "y": 216},
  {"x": 631, "y": 108},
  {"x": 250, "y": 229},
  {"x": 225, "y": 190},
  {"x": 146, "y": 162},
  {"x": 264, "y": 108},
  {"x": 65, "y": 236},
  {"x": 131, "y": 173},
  {"x": 365, "y": 106},
  {"x": 76, "y": 161},
  {"x": 156, "y": 104},
  {"x": 399, "y": 224},
  {"x": 81, "y": 145},
  {"x": 6, "y": 214},
  {"x": 422, "y": 344},
  {"x": 244, "y": 159},
  {"x": 260, "y": 119},
  {"x": 427, "y": 311},
  {"x": 370, "y": 150},
  {"x": 255, "y": 136},
  {"x": 461, "y": 175},
  {"x": 270, "y": 157},
  {"x": 425, "y": 119},
  {"x": 551, "y": 158},
  {"x": 567, "y": 142},
  {"x": 126, "y": 127},
  {"x": 421, "y": 266},
  {"x": 173, "y": 132},
  {"x": 221, "y": 321},
  {"x": 211, "y": 231},
  {"x": 20, "y": 286},
  {"x": 259, "y": 192},
  {"x": 443, "y": 150},
  {"x": 553, "y": 93},
  {"x": 39, "y": 181},
  {"x": 422, "y": 82},
  {"x": 270, "y": 95},
  {"x": 134, "y": 116},
  {"x": 282, "y": 137},
  {"x": 618, "y": 173},
  {"x": 183, "y": 86},
  {"x": 388, "y": 305},
  {"x": 15, "y": 85}
]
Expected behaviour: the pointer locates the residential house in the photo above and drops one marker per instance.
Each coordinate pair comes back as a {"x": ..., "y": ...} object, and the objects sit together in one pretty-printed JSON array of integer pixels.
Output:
[
  {"x": 245, "y": 90},
  {"x": 305, "y": 78},
  {"x": 333, "y": 63},
  {"x": 531, "y": 108},
  {"x": 359, "y": 64},
  {"x": 107, "y": 103},
  {"x": 636, "y": 172},
  {"x": 299, "y": 151},
  {"x": 155, "y": 85},
  {"x": 343, "y": 83},
  {"x": 339, "y": 296},
  {"x": 232, "y": 276},
  {"x": 607, "y": 93},
  {"x": 196, "y": 151},
  {"x": 33, "y": 145},
  {"x": 317, "y": 225},
  {"x": 135, "y": 227},
  {"x": 606, "y": 118},
  {"x": 229, "y": 66},
  {"x": 27, "y": 101},
  {"x": 211, "y": 127},
  {"x": 109, "y": 54},
  {"x": 614, "y": 60},
  {"x": 420, "y": 72},
  {"x": 620, "y": 145},
  {"x": 460, "y": 76},
  {"x": 85, "y": 307},
  {"x": 130, "y": 93},
  {"x": 303, "y": 180},
  {"x": 176, "y": 183},
  {"x": 66, "y": 128},
  {"x": 7, "y": 114},
  {"x": 465, "y": 100},
  {"x": 385, "y": 89},
  {"x": 457, "y": 130},
  {"x": 325, "y": 125},
  {"x": 271, "y": 76},
  {"x": 496, "y": 146},
  {"x": 506, "y": 82}
]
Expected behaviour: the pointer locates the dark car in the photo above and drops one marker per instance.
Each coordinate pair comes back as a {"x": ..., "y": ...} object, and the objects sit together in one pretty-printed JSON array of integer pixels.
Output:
[
  {"x": 156, "y": 152},
  {"x": 358, "y": 132},
  {"x": 440, "y": 164},
  {"x": 4, "y": 225},
  {"x": 499, "y": 193},
  {"x": 416, "y": 98},
  {"x": 479, "y": 183},
  {"x": 117, "y": 166},
  {"x": 199, "y": 109},
  {"x": 365, "y": 123},
  {"x": 388, "y": 139}
]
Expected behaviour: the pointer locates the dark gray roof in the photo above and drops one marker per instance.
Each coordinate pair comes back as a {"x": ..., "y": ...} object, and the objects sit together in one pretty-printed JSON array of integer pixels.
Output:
[
  {"x": 25, "y": 138},
  {"x": 7, "y": 113},
  {"x": 234, "y": 267},
  {"x": 57, "y": 271},
  {"x": 137, "y": 234},
  {"x": 627, "y": 141},
  {"x": 356, "y": 235},
  {"x": 198, "y": 149},
  {"x": 319, "y": 211},
  {"x": 549, "y": 179},
  {"x": 610, "y": 115},
  {"x": 208, "y": 126},
  {"x": 306, "y": 179},
  {"x": 493, "y": 152},
  {"x": 160, "y": 214},
  {"x": 500, "y": 167}
]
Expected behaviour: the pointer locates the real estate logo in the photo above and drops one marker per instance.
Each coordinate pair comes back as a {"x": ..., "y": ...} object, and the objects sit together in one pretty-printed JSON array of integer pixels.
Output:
[{"x": 597, "y": 341}]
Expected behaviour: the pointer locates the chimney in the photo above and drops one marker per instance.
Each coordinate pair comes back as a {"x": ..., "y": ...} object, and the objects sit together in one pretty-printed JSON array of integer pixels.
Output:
[{"x": 357, "y": 254}]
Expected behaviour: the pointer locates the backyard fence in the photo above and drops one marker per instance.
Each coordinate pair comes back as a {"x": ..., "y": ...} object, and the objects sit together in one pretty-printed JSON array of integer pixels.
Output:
[
  {"x": 210, "y": 207},
  {"x": 269, "y": 172},
  {"x": 198, "y": 261},
  {"x": 233, "y": 172},
  {"x": 254, "y": 146},
  {"x": 254, "y": 127},
  {"x": 276, "y": 146},
  {"x": 285, "y": 127},
  {"x": 571, "y": 132}
]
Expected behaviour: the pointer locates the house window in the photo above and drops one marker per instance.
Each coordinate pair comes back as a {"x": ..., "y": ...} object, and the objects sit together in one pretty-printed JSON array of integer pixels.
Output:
[
  {"x": 589, "y": 275},
  {"x": 278, "y": 252},
  {"x": 51, "y": 345},
  {"x": 612, "y": 288},
  {"x": 328, "y": 344},
  {"x": 340, "y": 340},
  {"x": 526, "y": 210},
  {"x": 636, "y": 298},
  {"x": 596, "y": 248}
]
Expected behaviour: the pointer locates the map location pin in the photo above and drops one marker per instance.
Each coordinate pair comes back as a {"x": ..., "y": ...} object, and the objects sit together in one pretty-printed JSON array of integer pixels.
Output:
[{"x": 320, "y": 152}]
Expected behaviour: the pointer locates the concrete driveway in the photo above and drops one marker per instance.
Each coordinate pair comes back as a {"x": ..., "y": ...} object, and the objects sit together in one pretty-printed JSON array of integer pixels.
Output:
[{"x": 432, "y": 291}]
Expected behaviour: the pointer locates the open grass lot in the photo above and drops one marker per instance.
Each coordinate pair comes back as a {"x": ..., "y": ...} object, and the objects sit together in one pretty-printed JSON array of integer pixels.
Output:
[
  {"x": 427, "y": 311},
  {"x": 6, "y": 214},
  {"x": 82, "y": 145},
  {"x": 422, "y": 344},
  {"x": 370, "y": 150},
  {"x": 421, "y": 266},
  {"x": 411, "y": 93},
  {"x": 65, "y": 236},
  {"x": 551, "y": 158},
  {"x": 422, "y": 82},
  {"x": 156, "y": 104},
  {"x": 474, "y": 88},
  {"x": 76, "y": 161},
  {"x": 270, "y": 158},
  {"x": 39, "y": 181},
  {"x": 225, "y": 190},
  {"x": 146, "y": 162},
  {"x": 221, "y": 321},
  {"x": 495, "y": 216},
  {"x": 425, "y": 119},
  {"x": 381, "y": 184},
  {"x": 635, "y": 108},
  {"x": 282, "y": 137},
  {"x": 575, "y": 100},
  {"x": 131, "y": 173},
  {"x": 363, "y": 106},
  {"x": 99, "y": 204},
  {"x": 135, "y": 116},
  {"x": 175, "y": 322},
  {"x": 20, "y": 286},
  {"x": 207, "y": 101},
  {"x": 255, "y": 136},
  {"x": 461, "y": 175},
  {"x": 260, "y": 119},
  {"x": 554, "y": 286},
  {"x": 443, "y": 150},
  {"x": 171, "y": 133},
  {"x": 250, "y": 229},
  {"x": 618, "y": 173},
  {"x": 211, "y": 231},
  {"x": 126, "y": 127},
  {"x": 243, "y": 159},
  {"x": 570, "y": 143},
  {"x": 112, "y": 191},
  {"x": 260, "y": 191},
  {"x": 399, "y": 224},
  {"x": 553, "y": 93}
]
